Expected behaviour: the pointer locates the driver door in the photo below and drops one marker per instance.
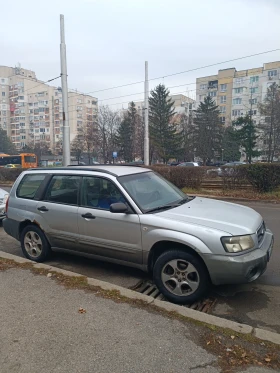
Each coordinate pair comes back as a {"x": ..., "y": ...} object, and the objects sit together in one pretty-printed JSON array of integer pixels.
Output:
[{"x": 103, "y": 233}]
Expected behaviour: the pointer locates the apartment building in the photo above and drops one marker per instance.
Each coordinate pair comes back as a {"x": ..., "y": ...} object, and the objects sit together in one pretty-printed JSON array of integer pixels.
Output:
[
  {"x": 238, "y": 93},
  {"x": 31, "y": 111}
]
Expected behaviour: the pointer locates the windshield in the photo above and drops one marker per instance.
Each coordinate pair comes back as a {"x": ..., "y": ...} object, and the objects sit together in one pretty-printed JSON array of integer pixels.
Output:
[{"x": 150, "y": 191}]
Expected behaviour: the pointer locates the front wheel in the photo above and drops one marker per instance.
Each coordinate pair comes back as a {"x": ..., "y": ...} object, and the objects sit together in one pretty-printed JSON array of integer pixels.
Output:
[
  {"x": 181, "y": 277},
  {"x": 34, "y": 244}
]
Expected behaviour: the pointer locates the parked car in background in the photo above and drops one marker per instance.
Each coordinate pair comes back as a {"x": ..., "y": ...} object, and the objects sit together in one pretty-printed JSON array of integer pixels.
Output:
[
  {"x": 230, "y": 164},
  {"x": 189, "y": 164},
  {"x": 3, "y": 199},
  {"x": 133, "y": 216},
  {"x": 225, "y": 168},
  {"x": 175, "y": 163},
  {"x": 13, "y": 166}
]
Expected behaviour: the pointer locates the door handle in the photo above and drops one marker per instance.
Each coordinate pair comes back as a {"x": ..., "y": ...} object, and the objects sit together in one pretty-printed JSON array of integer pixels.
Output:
[
  {"x": 88, "y": 216},
  {"x": 42, "y": 208}
]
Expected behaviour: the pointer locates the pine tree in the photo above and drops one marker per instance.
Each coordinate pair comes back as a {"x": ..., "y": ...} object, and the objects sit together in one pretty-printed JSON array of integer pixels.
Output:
[
  {"x": 230, "y": 146},
  {"x": 207, "y": 130},
  {"x": 165, "y": 140},
  {"x": 6, "y": 146},
  {"x": 124, "y": 139},
  {"x": 246, "y": 133}
]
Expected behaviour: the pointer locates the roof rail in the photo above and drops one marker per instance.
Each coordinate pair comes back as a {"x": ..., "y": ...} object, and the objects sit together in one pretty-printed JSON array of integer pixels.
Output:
[{"x": 78, "y": 168}]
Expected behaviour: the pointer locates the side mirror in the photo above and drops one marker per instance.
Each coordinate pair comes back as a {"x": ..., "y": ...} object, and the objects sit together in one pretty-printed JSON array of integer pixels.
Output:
[{"x": 118, "y": 208}]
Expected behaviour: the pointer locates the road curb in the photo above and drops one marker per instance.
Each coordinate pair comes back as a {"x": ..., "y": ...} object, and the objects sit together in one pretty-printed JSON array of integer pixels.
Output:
[
  {"x": 232, "y": 199},
  {"x": 194, "y": 315}
]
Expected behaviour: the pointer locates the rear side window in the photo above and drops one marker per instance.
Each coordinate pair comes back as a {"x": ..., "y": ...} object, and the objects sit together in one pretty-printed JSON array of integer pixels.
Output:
[
  {"x": 63, "y": 189},
  {"x": 29, "y": 185}
]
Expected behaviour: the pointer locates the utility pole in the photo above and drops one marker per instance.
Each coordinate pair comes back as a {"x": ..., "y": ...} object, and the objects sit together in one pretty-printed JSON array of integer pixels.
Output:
[
  {"x": 64, "y": 86},
  {"x": 146, "y": 118}
]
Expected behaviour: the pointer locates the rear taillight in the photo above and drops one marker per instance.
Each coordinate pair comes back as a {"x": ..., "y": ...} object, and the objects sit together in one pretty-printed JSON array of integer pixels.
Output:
[{"x": 7, "y": 204}]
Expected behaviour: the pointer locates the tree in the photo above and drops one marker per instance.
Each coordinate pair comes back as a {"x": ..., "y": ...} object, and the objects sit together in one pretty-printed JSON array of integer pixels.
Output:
[
  {"x": 230, "y": 146},
  {"x": 77, "y": 147},
  {"x": 185, "y": 128},
  {"x": 246, "y": 134},
  {"x": 40, "y": 148},
  {"x": 108, "y": 122},
  {"x": 89, "y": 136},
  {"x": 207, "y": 130},
  {"x": 124, "y": 138},
  {"x": 165, "y": 139},
  {"x": 130, "y": 134},
  {"x": 270, "y": 109},
  {"x": 6, "y": 145}
]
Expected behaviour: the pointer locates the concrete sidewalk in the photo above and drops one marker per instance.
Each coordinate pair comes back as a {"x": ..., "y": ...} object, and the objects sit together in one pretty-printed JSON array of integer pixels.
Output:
[{"x": 47, "y": 328}]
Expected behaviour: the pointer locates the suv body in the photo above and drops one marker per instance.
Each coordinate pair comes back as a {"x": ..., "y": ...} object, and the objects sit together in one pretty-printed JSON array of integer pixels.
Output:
[{"x": 132, "y": 216}]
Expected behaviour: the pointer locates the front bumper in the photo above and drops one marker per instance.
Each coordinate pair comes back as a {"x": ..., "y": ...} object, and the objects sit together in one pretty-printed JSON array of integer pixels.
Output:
[
  {"x": 2, "y": 212},
  {"x": 242, "y": 268}
]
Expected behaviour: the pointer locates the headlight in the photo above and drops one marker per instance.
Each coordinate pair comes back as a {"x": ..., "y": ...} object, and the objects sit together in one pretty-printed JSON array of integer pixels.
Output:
[{"x": 238, "y": 243}]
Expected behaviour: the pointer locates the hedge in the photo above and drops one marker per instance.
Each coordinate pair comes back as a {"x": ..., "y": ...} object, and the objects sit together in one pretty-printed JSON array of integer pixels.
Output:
[
  {"x": 10, "y": 174},
  {"x": 263, "y": 177},
  {"x": 190, "y": 177}
]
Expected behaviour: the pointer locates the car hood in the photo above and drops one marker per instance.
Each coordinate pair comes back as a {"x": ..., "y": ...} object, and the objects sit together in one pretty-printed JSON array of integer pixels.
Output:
[{"x": 223, "y": 216}]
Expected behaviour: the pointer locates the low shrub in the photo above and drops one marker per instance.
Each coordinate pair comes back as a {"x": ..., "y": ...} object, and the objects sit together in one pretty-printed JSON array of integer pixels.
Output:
[
  {"x": 234, "y": 177},
  {"x": 10, "y": 174},
  {"x": 190, "y": 177},
  {"x": 264, "y": 177}
]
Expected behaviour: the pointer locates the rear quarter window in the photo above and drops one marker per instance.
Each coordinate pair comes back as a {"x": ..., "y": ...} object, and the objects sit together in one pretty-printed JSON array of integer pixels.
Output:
[{"x": 29, "y": 185}]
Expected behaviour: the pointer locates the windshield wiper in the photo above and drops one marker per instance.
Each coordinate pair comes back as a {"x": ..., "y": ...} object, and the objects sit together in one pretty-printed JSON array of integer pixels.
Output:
[
  {"x": 184, "y": 200},
  {"x": 159, "y": 208}
]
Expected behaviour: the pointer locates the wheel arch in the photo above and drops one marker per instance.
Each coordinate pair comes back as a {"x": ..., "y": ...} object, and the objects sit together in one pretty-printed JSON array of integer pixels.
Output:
[{"x": 166, "y": 245}]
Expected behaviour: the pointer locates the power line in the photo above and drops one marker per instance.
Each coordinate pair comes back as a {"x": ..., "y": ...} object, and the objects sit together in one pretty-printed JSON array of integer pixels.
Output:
[
  {"x": 186, "y": 71},
  {"x": 180, "y": 85}
]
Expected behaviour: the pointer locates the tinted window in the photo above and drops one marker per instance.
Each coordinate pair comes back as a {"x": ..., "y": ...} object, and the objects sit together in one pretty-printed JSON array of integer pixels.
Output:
[
  {"x": 63, "y": 189},
  {"x": 10, "y": 160},
  {"x": 29, "y": 185},
  {"x": 29, "y": 159},
  {"x": 100, "y": 193}
]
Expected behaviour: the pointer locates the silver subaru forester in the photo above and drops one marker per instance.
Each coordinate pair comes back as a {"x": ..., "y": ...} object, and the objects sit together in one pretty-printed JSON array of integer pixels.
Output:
[{"x": 132, "y": 216}]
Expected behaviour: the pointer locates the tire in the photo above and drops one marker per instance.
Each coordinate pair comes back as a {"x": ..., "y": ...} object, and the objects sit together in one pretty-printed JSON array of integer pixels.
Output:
[
  {"x": 181, "y": 277},
  {"x": 34, "y": 244}
]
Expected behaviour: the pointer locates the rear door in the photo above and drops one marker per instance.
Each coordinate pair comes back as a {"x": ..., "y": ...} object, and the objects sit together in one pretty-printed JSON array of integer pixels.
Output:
[
  {"x": 116, "y": 236},
  {"x": 58, "y": 211}
]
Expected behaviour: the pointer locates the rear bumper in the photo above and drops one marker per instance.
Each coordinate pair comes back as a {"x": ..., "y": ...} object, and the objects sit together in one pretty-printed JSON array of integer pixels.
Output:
[
  {"x": 11, "y": 227},
  {"x": 243, "y": 268}
]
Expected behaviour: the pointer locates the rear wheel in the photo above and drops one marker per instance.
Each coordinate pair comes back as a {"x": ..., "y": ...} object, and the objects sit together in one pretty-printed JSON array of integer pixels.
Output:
[
  {"x": 34, "y": 244},
  {"x": 181, "y": 277}
]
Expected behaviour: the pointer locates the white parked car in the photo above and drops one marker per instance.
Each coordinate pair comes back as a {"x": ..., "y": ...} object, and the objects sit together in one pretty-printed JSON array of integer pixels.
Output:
[
  {"x": 189, "y": 164},
  {"x": 3, "y": 198}
]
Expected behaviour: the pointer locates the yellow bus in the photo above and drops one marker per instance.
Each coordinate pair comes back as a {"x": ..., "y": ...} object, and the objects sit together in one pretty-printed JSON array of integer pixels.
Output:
[{"x": 25, "y": 160}]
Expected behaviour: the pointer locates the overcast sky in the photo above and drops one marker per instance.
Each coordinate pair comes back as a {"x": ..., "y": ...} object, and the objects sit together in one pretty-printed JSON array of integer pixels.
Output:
[{"x": 108, "y": 41}]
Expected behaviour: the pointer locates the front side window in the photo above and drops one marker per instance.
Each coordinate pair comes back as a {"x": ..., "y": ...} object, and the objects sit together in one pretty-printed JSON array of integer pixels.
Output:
[
  {"x": 150, "y": 191},
  {"x": 63, "y": 189},
  {"x": 29, "y": 185},
  {"x": 100, "y": 193}
]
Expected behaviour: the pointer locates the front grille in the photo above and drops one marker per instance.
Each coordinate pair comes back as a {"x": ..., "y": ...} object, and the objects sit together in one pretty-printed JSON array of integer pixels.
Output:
[{"x": 261, "y": 232}]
